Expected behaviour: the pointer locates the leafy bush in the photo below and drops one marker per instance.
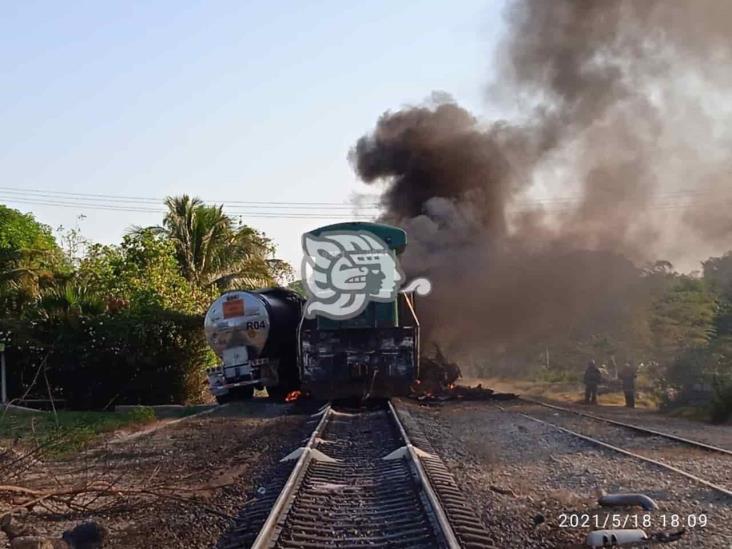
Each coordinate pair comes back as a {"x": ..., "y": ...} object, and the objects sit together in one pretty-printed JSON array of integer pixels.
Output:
[
  {"x": 126, "y": 329},
  {"x": 688, "y": 369},
  {"x": 132, "y": 357}
]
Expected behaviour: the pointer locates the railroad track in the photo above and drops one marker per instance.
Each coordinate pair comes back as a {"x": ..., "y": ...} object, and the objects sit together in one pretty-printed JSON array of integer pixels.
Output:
[
  {"x": 662, "y": 456},
  {"x": 638, "y": 428},
  {"x": 361, "y": 481}
]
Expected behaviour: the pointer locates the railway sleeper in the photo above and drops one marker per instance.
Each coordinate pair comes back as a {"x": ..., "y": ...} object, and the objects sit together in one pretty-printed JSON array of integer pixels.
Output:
[
  {"x": 385, "y": 523},
  {"x": 367, "y": 513},
  {"x": 381, "y": 540}
]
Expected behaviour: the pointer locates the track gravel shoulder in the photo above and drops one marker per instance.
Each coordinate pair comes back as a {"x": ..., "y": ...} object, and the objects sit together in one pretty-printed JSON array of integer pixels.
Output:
[
  {"x": 712, "y": 466},
  {"x": 517, "y": 473}
]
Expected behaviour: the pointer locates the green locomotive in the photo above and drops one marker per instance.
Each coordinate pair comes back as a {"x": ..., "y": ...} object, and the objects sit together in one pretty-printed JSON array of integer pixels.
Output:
[{"x": 373, "y": 354}]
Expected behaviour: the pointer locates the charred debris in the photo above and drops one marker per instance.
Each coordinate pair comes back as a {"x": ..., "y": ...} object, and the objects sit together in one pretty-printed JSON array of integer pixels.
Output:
[{"x": 438, "y": 382}]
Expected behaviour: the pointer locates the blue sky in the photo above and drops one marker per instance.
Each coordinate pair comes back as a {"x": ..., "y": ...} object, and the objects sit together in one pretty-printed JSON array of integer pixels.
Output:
[{"x": 242, "y": 101}]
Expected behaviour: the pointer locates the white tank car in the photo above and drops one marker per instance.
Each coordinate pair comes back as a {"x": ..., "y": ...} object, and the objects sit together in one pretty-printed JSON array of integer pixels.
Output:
[{"x": 254, "y": 336}]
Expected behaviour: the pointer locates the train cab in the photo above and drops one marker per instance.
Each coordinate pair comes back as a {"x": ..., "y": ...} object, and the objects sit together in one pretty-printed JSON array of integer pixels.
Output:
[{"x": 372, "y": 355}]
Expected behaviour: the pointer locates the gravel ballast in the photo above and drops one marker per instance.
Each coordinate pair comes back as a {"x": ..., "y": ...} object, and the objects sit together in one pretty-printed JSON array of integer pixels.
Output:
[
  {"x": 535, "y": 486},
  {"x": 712, "y": 466}
]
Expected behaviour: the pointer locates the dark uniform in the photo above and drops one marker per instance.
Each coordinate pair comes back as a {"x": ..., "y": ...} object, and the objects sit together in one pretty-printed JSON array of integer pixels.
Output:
[
  {"x": 627, "y": 375},
  {"x": 592, "y": 380}
]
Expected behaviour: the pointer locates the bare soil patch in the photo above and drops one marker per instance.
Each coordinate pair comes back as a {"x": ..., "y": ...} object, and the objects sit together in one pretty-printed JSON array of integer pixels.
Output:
[{"x": 179, "y": 486}]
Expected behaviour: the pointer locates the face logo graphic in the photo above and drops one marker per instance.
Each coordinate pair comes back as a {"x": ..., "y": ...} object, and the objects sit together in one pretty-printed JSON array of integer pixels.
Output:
[{"x": 344, "y": 270}]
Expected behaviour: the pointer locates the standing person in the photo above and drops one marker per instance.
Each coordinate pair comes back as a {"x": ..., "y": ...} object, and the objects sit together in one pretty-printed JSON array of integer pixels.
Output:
[
  {"x": 627, "y": 375},
  {"x": 592, "y": 380}
]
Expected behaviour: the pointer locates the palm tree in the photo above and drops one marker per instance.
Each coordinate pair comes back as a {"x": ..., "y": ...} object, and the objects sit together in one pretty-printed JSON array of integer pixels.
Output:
[
  {"x": 71, "y": 300},
  {"x": 23, "y": 274},
  {"x": 211, "y": 250}
]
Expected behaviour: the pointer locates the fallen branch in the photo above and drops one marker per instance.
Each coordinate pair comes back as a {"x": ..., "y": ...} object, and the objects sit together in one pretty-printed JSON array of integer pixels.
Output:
[{"x": 98, "y": 491}]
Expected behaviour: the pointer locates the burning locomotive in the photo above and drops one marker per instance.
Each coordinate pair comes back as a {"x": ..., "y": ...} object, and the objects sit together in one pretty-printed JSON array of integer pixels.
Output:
[
  {"x": 265, "y": 340},
  {"x": 374, "y": 354}
]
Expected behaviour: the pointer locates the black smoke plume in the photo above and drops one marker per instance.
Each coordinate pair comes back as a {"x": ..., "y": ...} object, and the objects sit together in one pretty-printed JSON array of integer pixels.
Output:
[{"x": 534, "y": 227}]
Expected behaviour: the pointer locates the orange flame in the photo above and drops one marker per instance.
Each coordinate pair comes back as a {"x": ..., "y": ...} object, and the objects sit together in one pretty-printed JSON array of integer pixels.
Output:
[{"x": 292, "y": 396}]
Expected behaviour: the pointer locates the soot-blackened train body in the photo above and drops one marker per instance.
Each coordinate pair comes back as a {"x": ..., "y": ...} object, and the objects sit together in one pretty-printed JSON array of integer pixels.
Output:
[{"x": 264, "y": 340}]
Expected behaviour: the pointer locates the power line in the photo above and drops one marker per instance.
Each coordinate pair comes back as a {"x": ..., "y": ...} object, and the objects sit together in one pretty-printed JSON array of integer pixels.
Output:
[
  {"x": 252, "y": 214},
  {"x": 258, "y": 214},
  {"x": 12, "y": 195},
  {"x": 304, "y": 210},
  {"x": 95, "y": 197},
  {"x": 80, "y": 205}
]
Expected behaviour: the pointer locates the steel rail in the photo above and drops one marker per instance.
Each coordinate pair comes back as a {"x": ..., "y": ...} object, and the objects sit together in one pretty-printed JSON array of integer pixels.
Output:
[
  {"x": 436, "y": 507},
  {"x": 623, "y": 451},
  {"x": 279, "y": 509},
  {"x": 638, "y": 428},
  {"x": 269, "y": 533}
]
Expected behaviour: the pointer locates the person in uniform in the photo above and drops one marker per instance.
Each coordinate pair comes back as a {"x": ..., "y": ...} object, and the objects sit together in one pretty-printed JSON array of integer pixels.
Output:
[
  {"x": 592, "y": 380},
  {"x": 627, "y": 376}
]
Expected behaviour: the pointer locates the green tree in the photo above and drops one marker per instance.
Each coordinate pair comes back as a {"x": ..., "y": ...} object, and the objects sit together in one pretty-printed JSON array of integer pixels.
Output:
[
  {"x": 30, "y": 260},
  {"x": 683, "y": 318},
  {"x": 213, "y": 251},
  {"x": 718, "y": 275},
  {"x": 141, "y": 273},
  {"x": 19, "y": 231}
]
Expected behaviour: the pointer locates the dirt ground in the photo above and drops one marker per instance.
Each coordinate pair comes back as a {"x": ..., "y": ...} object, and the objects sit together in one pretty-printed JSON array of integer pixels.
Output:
[
  {"x": 536, "y": 487},
  {"x": 527, "y": 481},
  {"x": 201, "y": 471}
]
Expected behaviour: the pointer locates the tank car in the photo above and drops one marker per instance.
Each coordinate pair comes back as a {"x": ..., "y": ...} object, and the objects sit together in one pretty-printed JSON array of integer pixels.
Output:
[
  {"x": 375, "y": 354},
  {"x": 254, "y": 334}
]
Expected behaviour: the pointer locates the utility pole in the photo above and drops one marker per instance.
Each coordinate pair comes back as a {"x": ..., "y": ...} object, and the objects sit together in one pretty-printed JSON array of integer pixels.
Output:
[{"x": 3, "y": 379}]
